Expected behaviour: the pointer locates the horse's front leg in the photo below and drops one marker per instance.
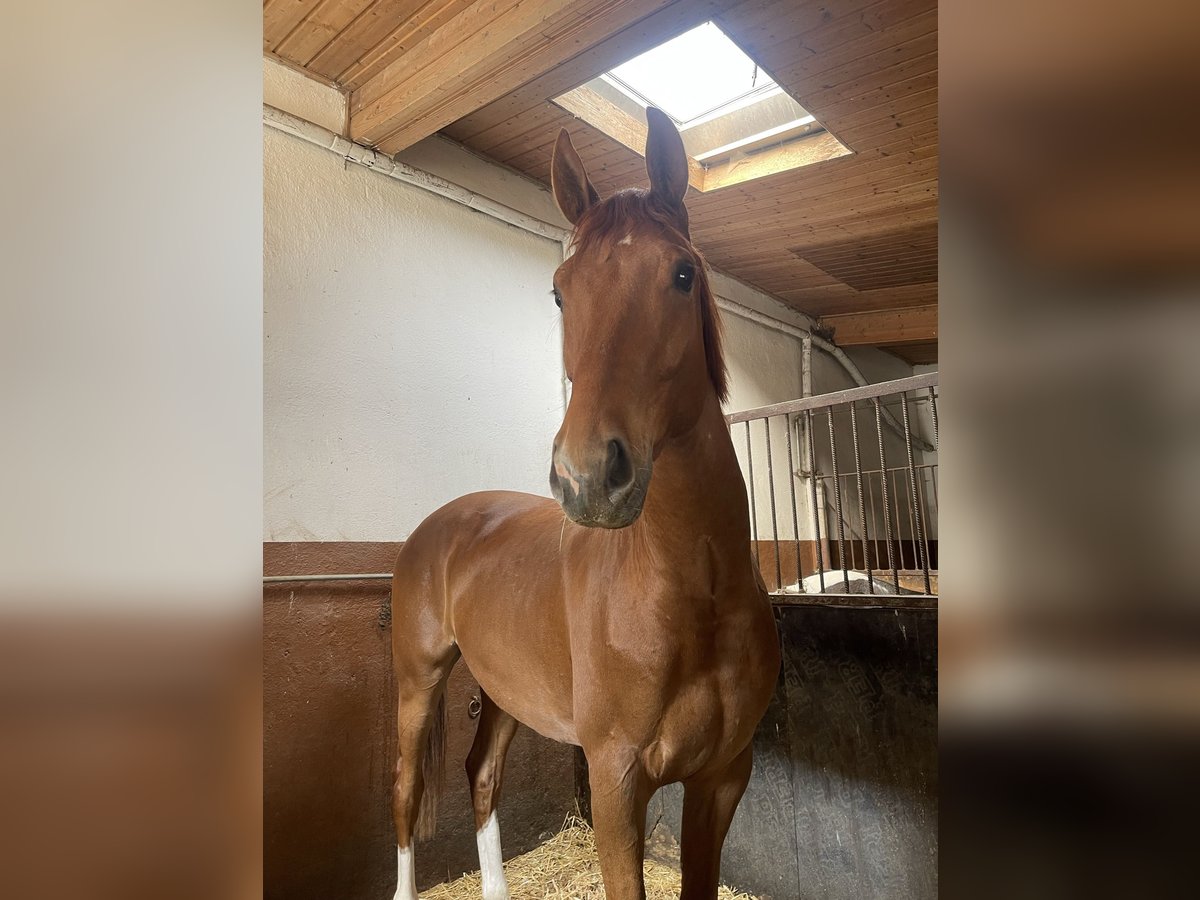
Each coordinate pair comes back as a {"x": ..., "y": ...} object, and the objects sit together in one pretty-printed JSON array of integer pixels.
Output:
[
  {"x": 620, "y": 794},
  {"x": 708, "y": 807}
]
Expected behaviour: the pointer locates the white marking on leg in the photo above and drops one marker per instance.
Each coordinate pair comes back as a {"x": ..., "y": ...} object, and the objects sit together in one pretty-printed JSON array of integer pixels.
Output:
[
  {"x": 406, "y": 875},
  {"x": 491, "y": 862}
]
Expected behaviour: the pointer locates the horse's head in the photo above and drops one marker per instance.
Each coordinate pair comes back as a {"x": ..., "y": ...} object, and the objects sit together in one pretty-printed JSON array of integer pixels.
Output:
[{"x": 641, "y": 341}]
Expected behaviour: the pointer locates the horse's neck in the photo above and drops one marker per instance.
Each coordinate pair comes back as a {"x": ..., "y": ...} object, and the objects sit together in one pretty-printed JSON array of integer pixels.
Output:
[{"x": 697, "y": 494}]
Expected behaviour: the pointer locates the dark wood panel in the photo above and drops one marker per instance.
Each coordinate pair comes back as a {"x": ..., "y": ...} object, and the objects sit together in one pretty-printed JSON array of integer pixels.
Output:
[
  {"x": 862, "y": 731},
  {"x": 842, "y": 804},
  {"x": 329, "y": 740}
]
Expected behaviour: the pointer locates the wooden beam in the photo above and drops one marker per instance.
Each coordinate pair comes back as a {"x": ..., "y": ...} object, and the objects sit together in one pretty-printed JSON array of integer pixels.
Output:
[
  {"x": 597, "y": 111},
  {"x": 882, "y": 327},
  {"x": 818, "y": 148},
  {"x": 672, "y": 20},
  {"x": 484, "y": 52}
]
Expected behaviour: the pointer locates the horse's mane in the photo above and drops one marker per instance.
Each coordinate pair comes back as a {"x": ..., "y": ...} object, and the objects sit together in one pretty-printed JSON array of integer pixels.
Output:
[{"x": 626, "y": 210}]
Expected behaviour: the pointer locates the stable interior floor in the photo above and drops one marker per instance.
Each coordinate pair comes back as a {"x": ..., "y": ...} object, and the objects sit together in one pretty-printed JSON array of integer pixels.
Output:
[{"x": 566, "y": 868}]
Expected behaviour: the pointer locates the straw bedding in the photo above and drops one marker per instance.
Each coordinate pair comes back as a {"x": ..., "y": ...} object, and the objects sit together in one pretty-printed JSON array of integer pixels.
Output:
[{"x": 565, "y": 868}]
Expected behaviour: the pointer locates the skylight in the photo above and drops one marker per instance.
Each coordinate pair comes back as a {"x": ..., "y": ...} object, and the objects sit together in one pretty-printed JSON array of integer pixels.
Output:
[
  {"x": 699, "y": 72},
  {"x": 737, "y": 124}
]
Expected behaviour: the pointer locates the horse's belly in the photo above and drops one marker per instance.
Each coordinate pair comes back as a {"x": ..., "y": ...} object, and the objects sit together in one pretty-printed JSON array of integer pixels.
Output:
[
  {"x": 518, "y": 653},
  {"x": 537, "y": 706}
]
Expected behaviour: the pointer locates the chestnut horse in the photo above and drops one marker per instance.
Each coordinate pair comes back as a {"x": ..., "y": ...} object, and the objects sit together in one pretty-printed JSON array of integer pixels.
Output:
[{"x": 635, "y": 626}]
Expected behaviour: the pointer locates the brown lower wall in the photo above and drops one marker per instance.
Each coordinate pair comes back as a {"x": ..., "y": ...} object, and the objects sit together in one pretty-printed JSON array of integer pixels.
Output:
[
  {"x": 843, "y": 800},
  {"x": 842, "y": 804},
  {"x": 329, "y": 740}
]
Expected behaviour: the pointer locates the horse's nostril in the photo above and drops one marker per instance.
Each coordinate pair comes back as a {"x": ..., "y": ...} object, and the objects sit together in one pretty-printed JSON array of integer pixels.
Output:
[{"x": 618, "y": 471}]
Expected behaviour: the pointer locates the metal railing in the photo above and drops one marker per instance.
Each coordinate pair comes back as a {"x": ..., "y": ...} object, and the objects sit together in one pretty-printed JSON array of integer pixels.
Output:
[
  {"x": 842, "y": 490},
  {"x": 851, "y": 520}
]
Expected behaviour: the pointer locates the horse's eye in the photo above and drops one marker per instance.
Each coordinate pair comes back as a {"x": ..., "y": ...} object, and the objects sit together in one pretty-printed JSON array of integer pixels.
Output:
[
  {"x": 557, "y": 297},
  {"x": 685, "y": 274}
]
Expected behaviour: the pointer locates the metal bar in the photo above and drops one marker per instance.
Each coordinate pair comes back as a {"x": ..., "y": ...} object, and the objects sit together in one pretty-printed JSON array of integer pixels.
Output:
[
  {"x": 862, "y": 509},
  {"x": 918, "y": 531},
  {"x": 753, "y": 507},
  {"x": 874, "y": 517},
  {"x": 280, "y": 579},
  {"x": 792, "y": 490},
  {"x": 858, "y": 601},
  {"x": 912, "y": 530},
  {"x": 923, "y": 500},
  {"x": 774, "y": 520},
  {"x": 867, "y": 392},
  {"x": 812, "y": 481},
  {"x": 887, "y": 512},
  {"x": 933, "y": 409},
  {"x": 837, "y": 498}
]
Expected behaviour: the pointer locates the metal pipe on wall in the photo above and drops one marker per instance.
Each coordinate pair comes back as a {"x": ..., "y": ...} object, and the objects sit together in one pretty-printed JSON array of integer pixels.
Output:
[
  {"x": 378, "y": 162},
  {"x": 370, "y": 159},
  {"x": 855, "y": 373},
  {"x": 283, "y": 579},
  {"x": 806, "y": 458}
]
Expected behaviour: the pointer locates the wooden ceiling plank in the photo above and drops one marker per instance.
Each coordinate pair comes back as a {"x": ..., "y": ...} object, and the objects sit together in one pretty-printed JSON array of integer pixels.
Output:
[
  {"x": 919, "y": 354},
  {"x": 450, "y": 46},
  {"x": 840, "y": 178},
  {"x": 910, "y": 76},
  {"x": 756, "y": 26},
  {"x": 892, "y": 326},
  {"x": 321, "y": 26},
  {"x": 369, "y": 27},
  {"x": 403, "y": 39},
  {"x": 857, "y": 115},
  {"x": 834, "y": 223},
  {"x": 855, "y": 40},
  {"x": 820, "y": 196},
  {"x": 911, "y": 267},
  {"x": 841, "y": 298},
  {"x": 517, "y": 43},
  {"x": 585, "y": 24},
  {"x": 916, "y": 56},
  {"x": 584, "y": 138},
  {"x": 778, "y": 191},
  {"x": 923, "y": 195},
  {"x": 280, "y": 17},
  {"x": 818, "y": 148},
  {"x": 715, "y": 238},
  {"x": 881, "y": 134},
  {"x": 521, "y": 131},
  {"x": 888, "y": 259}
]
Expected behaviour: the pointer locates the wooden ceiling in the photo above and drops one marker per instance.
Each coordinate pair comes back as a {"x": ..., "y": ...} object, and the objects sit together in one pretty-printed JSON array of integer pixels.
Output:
[{"x": 851, "y": 240}]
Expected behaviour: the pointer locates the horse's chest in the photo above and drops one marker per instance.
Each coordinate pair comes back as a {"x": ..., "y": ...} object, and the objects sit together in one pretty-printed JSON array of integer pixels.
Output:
[{"x": 688, "y": 685}]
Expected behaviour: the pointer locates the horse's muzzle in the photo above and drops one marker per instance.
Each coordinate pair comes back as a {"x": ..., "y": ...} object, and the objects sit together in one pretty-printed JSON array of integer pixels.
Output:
[{"x": 609, "y": 493}]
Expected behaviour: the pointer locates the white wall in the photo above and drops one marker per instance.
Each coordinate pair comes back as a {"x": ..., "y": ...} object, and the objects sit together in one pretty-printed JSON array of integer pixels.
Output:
[{"x": 412, "y": 350}]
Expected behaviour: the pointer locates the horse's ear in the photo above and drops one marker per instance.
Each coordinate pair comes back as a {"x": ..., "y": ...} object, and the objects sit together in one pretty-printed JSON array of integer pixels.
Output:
[
  {"x": 573, "y": 192},
  {"x": 666, "y": 160}
]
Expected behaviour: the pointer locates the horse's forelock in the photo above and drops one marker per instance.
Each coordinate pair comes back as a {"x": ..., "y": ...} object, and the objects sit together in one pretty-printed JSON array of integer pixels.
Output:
[{"x": 617, "y": 216}]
